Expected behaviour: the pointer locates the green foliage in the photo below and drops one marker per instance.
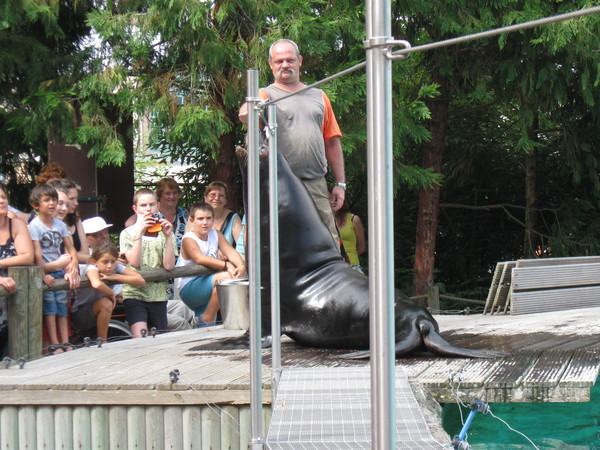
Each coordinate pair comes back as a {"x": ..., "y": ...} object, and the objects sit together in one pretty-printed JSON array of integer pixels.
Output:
[{"x": 182, "y": 64}]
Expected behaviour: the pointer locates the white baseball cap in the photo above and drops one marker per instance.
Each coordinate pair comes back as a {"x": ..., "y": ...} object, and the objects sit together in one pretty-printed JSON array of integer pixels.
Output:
[{"x": 95, "y": 224}]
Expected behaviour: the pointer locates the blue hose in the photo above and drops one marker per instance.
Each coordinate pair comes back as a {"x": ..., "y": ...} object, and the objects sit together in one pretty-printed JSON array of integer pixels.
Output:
[
  {"x": 476, "y": 406},
  {"x": 465, "y": 428}
]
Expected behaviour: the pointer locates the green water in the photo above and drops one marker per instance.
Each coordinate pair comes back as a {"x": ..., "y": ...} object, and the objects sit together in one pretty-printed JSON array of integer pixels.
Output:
[{"x": 565, "y": 426}]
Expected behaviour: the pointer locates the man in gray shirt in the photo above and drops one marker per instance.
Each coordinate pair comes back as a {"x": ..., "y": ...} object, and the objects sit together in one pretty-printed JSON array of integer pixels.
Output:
[{"x": 307, "y": 131}]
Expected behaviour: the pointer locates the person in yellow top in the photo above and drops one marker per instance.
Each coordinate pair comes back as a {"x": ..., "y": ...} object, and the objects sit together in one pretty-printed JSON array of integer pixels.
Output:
[{"x": 352, "y": 234}]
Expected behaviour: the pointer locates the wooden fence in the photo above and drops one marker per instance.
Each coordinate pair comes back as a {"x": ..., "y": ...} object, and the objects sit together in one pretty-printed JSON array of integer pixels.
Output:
[{"x": 25, "y": 304}]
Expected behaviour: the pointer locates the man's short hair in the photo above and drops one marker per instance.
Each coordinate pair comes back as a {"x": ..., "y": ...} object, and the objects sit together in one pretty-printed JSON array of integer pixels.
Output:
[
  {"x": 141, "y": 192},
  {"x": 201, "y": 206},
  {"x": 279, "y": 41},
  {"x": 40, "y": 191}
]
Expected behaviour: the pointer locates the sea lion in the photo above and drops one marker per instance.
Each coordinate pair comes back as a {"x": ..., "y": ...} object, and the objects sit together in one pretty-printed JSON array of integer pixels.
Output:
[{"x": 324, "y": 302}]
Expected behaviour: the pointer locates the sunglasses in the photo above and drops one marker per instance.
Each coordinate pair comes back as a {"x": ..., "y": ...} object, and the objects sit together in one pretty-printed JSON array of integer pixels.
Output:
[{"x": 98, "y": 234}]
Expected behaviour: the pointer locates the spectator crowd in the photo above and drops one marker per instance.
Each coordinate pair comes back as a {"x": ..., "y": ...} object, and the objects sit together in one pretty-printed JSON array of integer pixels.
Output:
[{"x": 160, "y": 234}]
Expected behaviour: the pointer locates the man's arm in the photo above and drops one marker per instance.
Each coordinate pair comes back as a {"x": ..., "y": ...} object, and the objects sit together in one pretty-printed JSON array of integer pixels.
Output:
[{"x": 335, "y": 158}]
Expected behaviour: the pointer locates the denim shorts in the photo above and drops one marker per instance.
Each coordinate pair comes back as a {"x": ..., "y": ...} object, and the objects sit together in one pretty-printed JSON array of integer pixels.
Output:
[
  {"x": 196, "y": 293},
  {"x": 55, "y": 302}
]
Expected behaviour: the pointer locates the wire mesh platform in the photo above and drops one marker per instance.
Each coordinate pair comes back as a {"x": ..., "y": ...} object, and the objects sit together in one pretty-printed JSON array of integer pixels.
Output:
[{"x": 330, "y": 408}]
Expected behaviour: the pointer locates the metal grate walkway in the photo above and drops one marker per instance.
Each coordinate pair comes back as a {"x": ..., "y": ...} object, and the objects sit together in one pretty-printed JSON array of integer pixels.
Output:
[{"x": 330, "y": 408}]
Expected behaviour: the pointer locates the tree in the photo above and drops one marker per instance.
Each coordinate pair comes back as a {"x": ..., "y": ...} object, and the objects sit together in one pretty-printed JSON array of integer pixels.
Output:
[
  {"x": 39, "y": 43},
  {"x": 452, "y": 68}
]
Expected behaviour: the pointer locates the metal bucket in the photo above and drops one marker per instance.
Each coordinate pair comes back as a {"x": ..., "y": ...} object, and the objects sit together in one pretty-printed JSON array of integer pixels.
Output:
[{"x": 233, "y": 299}]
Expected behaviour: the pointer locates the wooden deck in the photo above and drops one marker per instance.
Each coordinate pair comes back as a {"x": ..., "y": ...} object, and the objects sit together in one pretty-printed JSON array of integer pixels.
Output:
[{"x": 554, "y": 357}]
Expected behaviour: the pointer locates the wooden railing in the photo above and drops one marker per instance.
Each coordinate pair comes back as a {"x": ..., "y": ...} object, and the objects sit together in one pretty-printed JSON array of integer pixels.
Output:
[{"x": 25, "y": 304}]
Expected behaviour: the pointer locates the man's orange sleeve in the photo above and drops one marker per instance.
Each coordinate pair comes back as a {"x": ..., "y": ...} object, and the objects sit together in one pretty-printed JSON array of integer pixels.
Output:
[{"x": 330, "y": 127}]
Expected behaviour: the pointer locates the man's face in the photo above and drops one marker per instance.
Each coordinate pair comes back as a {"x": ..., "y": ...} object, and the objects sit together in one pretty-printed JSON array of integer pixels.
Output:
[
  {"x": 202, "y": 222},
  {"x": 94, "y": 238},
  {"x": 285, "y": 63}
]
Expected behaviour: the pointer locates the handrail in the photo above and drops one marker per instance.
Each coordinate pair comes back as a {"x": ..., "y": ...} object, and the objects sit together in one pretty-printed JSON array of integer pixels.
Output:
[
  {"x": 25, "y": 303},
  {"x": 148, "y": 275}
]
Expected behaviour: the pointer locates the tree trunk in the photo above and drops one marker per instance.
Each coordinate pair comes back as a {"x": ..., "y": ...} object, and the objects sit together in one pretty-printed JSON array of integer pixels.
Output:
[
  {"x": 429, "y": 199},
  {"x": 222, "y": 168},
  {"x": 531, "y": 241}
]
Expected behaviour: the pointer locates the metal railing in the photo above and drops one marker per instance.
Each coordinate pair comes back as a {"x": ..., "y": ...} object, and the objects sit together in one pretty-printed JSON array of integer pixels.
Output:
[{"x": 25, "y": 304}]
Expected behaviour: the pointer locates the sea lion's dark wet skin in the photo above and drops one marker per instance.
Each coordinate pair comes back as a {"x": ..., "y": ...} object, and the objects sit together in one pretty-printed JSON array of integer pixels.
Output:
[{"x": 324, "y": 302}]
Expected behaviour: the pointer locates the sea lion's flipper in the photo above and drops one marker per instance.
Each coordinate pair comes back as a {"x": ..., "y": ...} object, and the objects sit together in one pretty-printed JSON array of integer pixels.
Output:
[
  {"x": 439, "y": 346},
  {"x": 409, "y": 343}
]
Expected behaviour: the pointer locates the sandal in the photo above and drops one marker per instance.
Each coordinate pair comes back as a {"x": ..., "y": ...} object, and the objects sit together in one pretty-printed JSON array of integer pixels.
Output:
[
  {"x": 202, "y": 324},
  {"x": 53, "y": 348},
  {"x": 67, "y": 347}
]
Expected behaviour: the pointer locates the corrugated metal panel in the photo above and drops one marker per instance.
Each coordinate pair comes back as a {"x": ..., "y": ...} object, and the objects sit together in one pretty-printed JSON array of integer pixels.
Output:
[
  {"x": 528, "y": 302},
  {"x": 555, "y": 276},
  {"x": 557, "y": 261},
  {"x": 110, "y": 427}
]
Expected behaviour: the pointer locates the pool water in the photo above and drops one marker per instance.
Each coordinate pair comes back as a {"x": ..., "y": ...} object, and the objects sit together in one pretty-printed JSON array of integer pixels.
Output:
[{"x": 565, "y": 426}]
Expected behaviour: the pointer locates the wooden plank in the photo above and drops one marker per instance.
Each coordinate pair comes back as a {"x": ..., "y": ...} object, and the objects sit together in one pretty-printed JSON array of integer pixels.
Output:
[
  {"x": 413, "y": 368},
  {"x": 583, "y": 368},
  {"x": 466, "y": 384},
  {"x": 493, "y": 287},
  {"x": 63, "y": 418},
  {"x": 548, "y": 369},
  {"x": 82, "y": 427},
  {"x": 155, "y": 427},
  {"x": 438, "y": 374},
  {"x": 27, "y": 428},
  {"x": 193, "y": 432},
  {"x": 9, "y": 427},
  {"x": 502, "y": 298},
  {"x": 551, "y": 342},
  {"x": 132, "y": 397},
  {"x": 173, "y": 419},
  {"x": 25, "y": 313},
  {"x": 45, "y": 427},
  {"x": 513, "y": 369},
  {"x": 117, "y": 430},
  {"x": 518, "y": 342},
  {"x": 246, "y": 427},
  {"x": 579, "y": 342},
  {"x": 136, "y": 427},
  {"x": 230, "y": 434},
  {"x": 211, "y": 427},
  {"x": 100, "y": 435}
]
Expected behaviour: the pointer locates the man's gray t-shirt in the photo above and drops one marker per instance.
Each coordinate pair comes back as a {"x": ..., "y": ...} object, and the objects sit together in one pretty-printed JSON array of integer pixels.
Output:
[{"x": 299, "y": 131}]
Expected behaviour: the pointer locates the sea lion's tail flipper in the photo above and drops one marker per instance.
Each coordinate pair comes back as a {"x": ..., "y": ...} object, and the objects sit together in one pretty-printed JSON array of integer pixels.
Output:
[{"x": 439, "y": 346}]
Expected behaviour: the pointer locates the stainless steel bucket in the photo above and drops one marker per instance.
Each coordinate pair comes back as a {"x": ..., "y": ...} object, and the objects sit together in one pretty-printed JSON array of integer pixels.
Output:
[{"x": 233, "y": 299}]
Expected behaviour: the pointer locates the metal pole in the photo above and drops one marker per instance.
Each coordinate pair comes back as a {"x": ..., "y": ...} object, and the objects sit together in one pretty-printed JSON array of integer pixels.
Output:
[
  {"x": 274, "y": 251},
  {"x": 381, "y": 263},
  {"x": 253, "y": 254}
]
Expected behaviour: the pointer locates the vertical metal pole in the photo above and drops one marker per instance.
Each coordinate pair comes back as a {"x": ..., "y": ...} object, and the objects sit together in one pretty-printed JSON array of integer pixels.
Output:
[
  {"x": 381, "y": 263},
  {"x": 274, "y": 251},
  {"x": 252, "y": 99}
]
